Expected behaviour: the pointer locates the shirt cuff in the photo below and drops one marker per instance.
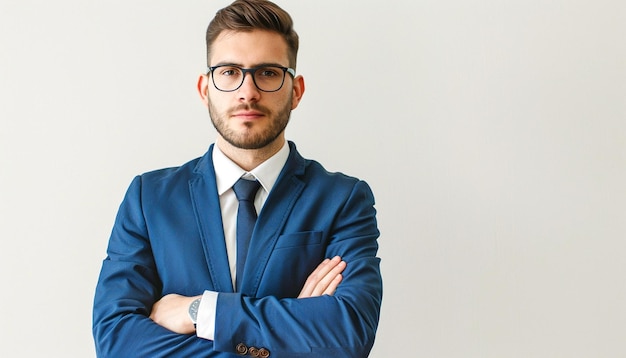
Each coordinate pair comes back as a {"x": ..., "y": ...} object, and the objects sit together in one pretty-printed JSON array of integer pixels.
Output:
[{"x": 205, "y": 326}]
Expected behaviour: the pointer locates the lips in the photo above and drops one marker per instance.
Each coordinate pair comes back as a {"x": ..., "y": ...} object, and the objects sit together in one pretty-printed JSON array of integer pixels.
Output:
[{"x": 248, "y": 115}]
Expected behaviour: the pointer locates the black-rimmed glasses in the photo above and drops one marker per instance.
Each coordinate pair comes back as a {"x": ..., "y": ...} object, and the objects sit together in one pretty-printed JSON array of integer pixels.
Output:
[{"x": 228, "y": 78}]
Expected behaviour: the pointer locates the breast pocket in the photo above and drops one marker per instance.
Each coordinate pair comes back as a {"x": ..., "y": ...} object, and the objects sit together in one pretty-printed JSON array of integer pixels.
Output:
[{"x": 298, "y": 239}]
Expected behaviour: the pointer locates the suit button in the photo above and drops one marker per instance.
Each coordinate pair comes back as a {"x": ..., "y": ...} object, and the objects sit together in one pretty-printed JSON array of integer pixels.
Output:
[
  {"x": 253, "y": 351},
  {"x": 264, "y": 353},
  {"x": 241, "y": 349}
]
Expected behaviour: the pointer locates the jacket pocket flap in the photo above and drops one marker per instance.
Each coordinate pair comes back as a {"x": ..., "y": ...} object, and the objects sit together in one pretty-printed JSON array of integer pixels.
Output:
[{"x": 299, "y": 239}]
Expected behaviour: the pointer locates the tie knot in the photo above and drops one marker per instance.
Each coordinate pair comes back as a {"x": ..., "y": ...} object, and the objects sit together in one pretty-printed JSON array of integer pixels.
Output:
[{"x": 245, "y": 190}]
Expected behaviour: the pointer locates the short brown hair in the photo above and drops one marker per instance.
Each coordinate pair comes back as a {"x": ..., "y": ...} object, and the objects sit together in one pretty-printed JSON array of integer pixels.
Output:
[{"x": 248, "y": 15}]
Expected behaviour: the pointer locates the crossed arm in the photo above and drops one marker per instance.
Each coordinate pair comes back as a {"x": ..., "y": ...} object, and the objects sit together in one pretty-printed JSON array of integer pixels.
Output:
[
  {"x": 171, "y": 311},
  {"x": 340, "y": 319}
]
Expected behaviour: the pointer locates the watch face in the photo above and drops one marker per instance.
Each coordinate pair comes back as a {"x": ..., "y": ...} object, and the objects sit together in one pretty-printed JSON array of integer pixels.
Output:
[{"x": 193, "y": 310}]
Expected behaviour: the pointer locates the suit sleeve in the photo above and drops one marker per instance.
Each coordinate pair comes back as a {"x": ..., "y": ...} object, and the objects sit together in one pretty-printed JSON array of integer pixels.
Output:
[
  {"x": 342, "y": 325},
  {"x": 127, "y": 288}
]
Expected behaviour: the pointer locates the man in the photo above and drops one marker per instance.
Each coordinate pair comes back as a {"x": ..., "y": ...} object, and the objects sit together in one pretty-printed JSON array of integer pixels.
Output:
[{"x": 190, "y": 273}]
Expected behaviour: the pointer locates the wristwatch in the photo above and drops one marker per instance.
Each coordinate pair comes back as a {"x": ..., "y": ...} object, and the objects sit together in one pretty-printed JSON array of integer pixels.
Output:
[{"x": 193, "y": 310}]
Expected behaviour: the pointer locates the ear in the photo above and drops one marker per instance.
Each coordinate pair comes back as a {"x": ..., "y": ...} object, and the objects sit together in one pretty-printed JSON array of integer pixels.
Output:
[
  {"x": 203, "y": 88},
  {"x": 298, "y": 91}
]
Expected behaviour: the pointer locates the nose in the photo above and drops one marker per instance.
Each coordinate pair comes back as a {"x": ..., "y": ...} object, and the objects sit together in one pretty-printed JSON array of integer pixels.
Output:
[{"x": 248, "y": 90}]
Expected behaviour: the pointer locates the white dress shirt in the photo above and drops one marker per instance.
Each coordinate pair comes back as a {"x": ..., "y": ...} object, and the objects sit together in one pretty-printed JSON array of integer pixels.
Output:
[{"x": 226, "y": 174}]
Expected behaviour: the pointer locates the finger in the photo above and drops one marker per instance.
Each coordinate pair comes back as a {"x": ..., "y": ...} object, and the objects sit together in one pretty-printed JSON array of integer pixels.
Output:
[
  {"x": 328, "y": 279},
  {"x": 330, "y": 290},
  {"x": 325, "y": 267},
  {"x": 320, "y": 280},
  {"x": 311, "y": 281},
  {"x": 317, "y": 275}
]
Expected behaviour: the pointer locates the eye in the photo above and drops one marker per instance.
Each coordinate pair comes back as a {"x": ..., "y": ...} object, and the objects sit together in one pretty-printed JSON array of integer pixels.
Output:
[
  {"x": 228, "y": 71},
  {"x": 269, "y": 72}
]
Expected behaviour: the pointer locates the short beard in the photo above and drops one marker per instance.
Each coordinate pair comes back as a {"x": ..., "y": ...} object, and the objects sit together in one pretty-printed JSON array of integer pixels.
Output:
[{"x": 247, "y": 140}]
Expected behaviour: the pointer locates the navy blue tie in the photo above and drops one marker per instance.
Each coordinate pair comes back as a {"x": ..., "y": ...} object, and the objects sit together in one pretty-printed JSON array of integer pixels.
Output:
[{"x": 245, "y": 190}]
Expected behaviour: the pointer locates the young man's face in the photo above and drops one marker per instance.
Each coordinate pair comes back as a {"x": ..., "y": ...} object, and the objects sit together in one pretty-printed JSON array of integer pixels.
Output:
[{"x": 247, "y": 117}]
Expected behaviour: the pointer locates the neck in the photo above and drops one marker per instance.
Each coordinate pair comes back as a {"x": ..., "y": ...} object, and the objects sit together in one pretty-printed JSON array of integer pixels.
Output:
[{"x": 249, "y": 159}]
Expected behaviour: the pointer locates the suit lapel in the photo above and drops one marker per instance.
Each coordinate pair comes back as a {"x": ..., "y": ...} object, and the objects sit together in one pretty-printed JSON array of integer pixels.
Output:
[
  {"x": 271, "y": 220},
  {"x": 203, "y": 191}
]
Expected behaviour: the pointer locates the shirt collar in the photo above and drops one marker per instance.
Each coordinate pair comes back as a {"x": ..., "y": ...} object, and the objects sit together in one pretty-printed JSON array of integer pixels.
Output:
[{"x": 227, "y": 172}]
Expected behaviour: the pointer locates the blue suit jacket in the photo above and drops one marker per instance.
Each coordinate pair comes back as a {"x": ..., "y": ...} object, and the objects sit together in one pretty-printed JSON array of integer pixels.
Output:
[{"x": 168, "y": 238}]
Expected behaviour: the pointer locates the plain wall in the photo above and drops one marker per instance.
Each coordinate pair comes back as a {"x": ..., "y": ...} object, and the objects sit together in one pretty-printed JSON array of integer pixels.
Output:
[{"x": 493, "y": 134}]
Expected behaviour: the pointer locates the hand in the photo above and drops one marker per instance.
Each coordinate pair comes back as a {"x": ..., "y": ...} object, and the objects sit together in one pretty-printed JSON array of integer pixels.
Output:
[
  {"x": 172, "y": 312},
  {"x": 325, "y": 279}
]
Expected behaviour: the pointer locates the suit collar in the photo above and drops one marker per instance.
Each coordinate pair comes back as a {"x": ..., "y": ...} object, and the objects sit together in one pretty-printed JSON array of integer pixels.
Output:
[
  {"x": 228, "y": 172},
  {"x": 295, "y": 164}
]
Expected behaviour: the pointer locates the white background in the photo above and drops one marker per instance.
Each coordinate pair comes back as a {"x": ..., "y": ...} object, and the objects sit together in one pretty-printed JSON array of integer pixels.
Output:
[{"x": 492, "y": 132}]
